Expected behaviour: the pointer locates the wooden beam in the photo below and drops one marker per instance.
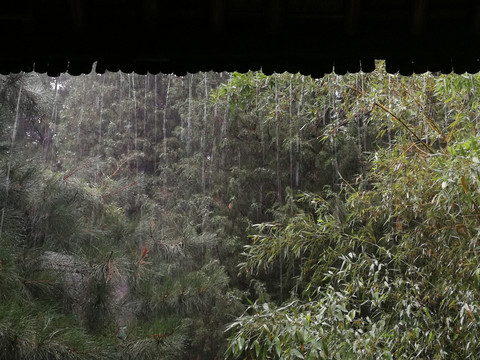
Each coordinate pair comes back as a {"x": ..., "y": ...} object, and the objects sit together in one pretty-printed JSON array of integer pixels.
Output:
[
  {"x": 352, "y": 17},
  {"x": 275, "y": 13},
  {"x": 150, "y": 14},
  {"x": 419, "y": 17},
  {"x": 476, "y": 18},
  {"x": 217, "y": 13},
  {"x": 76, "y": 15}
]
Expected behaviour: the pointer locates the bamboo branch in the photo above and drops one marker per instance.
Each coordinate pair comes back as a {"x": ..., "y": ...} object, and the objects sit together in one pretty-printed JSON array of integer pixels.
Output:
[
  {"x": 119, "y": 167},
  {"x": 430, "y": 150},
  {"x": 405, "y": 126},
  {"x": 76, "y": 170},
  {"x": 119, "y": 191}
]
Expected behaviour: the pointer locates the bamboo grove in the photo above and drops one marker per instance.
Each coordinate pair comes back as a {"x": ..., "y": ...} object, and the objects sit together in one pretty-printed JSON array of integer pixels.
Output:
[{"x": 241, "y": 216}]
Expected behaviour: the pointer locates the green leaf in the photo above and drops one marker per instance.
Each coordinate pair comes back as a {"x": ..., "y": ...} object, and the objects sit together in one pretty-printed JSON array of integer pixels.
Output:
[
  {"x": 325, "y": 348},
  {"x": 257, "y": 347},
  {"x": 241, "y": 344},
  {"x": 278, "y": 346},
  {"x": 297, "y": 354}
]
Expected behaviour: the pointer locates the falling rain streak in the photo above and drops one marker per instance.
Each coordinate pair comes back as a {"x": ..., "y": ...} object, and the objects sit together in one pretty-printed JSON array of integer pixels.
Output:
[{"x": 146, "y": 214}]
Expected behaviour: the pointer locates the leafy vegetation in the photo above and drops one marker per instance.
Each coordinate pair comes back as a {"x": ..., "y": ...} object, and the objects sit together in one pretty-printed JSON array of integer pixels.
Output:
[
  {"x": 239, "y": 215},
  {"x": 387, "y": 267}
]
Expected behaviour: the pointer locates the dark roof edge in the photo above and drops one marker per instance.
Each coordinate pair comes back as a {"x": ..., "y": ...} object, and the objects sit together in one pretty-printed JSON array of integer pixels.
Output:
[{"x": 316, "y": 68}]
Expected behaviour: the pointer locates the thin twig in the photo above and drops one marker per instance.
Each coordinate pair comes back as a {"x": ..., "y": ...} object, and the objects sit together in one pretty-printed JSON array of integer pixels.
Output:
[
  {"x": 119, "y": 167},
  {"x": 396, "y": 118},
  {"x": 405, "y": 126},
  {"x": 119, "y": 191},
  {"x": 76, "y": 170}
]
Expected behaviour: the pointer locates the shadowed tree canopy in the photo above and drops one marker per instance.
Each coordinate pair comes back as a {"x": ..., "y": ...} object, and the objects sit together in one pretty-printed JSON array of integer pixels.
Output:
[{"x": 307, "y": 36}]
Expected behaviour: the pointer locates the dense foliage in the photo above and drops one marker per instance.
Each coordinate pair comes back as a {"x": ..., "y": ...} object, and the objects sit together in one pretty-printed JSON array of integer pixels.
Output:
[
  {"x": 239, "y": 215},
  {"x": 387, "y": 267}
]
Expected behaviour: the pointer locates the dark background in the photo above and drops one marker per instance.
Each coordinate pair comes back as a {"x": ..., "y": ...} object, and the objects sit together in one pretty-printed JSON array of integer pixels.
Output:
[{"x": 307, "y": 36}]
